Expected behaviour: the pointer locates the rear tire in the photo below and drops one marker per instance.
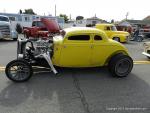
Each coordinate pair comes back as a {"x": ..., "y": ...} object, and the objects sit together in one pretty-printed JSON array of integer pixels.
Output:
[
  {"x": 139, "y": 39},
  {"x": 120, "y": 65},
  {"x": 18, "y": 70},
  {"x": 116, "y": 39}
]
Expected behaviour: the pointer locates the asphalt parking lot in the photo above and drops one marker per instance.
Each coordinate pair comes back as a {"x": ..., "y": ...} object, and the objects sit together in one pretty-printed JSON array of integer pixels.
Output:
[{"x": 89, "y": 90}]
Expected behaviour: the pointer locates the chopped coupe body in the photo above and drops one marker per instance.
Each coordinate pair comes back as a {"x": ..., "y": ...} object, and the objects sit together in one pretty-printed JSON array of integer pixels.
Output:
[{"x": 84, "y": 47}]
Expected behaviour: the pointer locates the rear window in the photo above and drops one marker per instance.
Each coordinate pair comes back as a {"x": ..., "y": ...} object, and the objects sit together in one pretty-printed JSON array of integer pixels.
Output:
[{"x": 79, "y": 37}]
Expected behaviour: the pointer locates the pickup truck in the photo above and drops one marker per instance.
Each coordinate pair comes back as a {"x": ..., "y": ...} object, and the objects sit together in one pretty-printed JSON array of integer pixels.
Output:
[
  {"x": 112, "y": 33},
  {"x": 6, "y": 29},
  {"x": 41, "y": 28}
]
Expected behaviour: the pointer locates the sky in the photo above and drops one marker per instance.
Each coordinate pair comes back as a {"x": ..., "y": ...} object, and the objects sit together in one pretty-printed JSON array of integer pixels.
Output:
[{"x": 104, "y": 9}]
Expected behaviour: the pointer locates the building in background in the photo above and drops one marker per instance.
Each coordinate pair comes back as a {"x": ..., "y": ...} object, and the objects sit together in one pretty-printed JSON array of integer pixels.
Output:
[{"x": 92, "y": 21}]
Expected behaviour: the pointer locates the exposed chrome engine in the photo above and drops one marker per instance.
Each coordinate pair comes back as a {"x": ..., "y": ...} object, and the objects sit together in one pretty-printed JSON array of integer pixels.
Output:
[
  {"x": 43, "y": 46},
  {"x": 36, "y": 49}
]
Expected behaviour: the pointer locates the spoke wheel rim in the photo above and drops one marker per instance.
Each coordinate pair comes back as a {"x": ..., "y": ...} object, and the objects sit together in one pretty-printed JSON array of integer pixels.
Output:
[{"x": 19, "y": 71}]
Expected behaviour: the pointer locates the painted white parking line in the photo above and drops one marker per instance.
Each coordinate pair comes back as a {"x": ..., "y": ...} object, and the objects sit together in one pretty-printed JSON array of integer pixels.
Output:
[
  {"x": 2, "y": 68},
  {"x": 141, "y": 62}
]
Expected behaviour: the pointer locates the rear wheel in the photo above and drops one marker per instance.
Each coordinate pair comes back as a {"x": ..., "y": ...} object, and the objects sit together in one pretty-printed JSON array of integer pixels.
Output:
[
  {"x": 139, "y": 39},
  {"x": 18, "y": 70},
  {"x": 116, "y": 39},
  {"x": 120, "y": 65}
]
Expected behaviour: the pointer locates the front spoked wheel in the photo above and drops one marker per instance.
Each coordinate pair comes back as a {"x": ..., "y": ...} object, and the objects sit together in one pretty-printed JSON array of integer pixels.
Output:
[{"x": 18, "y": 70}]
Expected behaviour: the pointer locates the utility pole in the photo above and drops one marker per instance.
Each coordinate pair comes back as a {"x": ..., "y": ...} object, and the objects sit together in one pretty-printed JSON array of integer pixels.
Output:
[
  {"x": 55, "y": 10},
  {"x": 70, "y": 16},
  {"x": 127, "y": 15}
]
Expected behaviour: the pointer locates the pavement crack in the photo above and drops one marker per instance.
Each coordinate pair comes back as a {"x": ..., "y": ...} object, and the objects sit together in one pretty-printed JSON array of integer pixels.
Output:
[{"x": 81, "y": 94}]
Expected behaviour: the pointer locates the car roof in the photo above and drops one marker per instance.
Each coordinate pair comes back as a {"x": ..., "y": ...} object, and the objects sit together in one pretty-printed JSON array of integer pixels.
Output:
[{"x": 74, "y": 30}]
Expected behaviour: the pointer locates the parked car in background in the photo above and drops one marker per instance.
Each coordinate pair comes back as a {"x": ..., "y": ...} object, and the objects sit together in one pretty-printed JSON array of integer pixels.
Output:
[
  {"x": 146, "y": 49},
  {"x": 6, "y": 30},
  {"x": 111, "y": 31},
  {"x": 76, "y": 47},
  {"x": 124, "y": 28},
  {"x": 41, "y": 28}
]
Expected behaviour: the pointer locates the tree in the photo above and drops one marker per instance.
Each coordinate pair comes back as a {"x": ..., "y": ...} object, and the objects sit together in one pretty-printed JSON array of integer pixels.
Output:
[
  {"x": 29, "y": 11},
  {"x": 112, "y": 21},
  {"x": 20, "y": 11},
  {"x": 65, "y": 17},
  {"x": 79, "y": 18}
]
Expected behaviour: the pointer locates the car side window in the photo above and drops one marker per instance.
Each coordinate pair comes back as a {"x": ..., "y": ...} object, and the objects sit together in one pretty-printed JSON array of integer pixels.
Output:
[
  {"x": 79, "y": 37},
  {"x": 97, "y": 37}
]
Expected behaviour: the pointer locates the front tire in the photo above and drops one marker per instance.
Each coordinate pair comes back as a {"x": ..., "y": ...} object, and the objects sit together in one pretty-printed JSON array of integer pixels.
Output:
[
  {"x": 18, "y": 70},
  {"x": 120, "y": 65}
]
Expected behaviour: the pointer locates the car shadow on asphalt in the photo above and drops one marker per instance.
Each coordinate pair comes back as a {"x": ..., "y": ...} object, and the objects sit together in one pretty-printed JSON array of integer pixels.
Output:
[{"x": 101, "y": 90}]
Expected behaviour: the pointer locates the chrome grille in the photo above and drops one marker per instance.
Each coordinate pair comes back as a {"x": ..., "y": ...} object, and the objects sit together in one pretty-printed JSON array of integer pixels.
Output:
[{"x": 5, "y": 30}]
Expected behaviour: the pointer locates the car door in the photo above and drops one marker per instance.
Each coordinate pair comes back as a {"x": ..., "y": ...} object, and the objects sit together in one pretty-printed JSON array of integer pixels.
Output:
[
  {"x": 76, "y": 51},
  {"x": 100, "y": 50}
]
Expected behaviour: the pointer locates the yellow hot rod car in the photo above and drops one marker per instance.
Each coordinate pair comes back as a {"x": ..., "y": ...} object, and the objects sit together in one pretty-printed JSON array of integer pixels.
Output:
[{"x": 74, "y": 47}]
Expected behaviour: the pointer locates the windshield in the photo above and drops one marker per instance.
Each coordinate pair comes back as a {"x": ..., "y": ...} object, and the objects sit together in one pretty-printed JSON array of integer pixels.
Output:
[
  {"x": 40, "y": 24},
  {"x": 113, "y": 28},
  {"x": 4, "y": 19}
]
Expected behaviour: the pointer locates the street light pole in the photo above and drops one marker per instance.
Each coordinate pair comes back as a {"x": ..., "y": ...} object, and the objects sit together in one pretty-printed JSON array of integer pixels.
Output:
[
  {"x": 55, "y": 10},
  {"x": 127, "y": 15}
]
